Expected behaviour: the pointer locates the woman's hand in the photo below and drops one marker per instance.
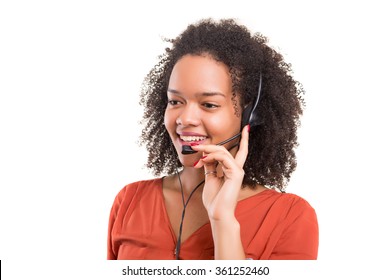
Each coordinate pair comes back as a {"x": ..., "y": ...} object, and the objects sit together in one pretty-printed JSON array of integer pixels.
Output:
[{"x": 223, "y": 177}]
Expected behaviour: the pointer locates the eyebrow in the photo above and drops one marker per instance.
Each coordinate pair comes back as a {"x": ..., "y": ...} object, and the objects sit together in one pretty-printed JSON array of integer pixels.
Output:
[{"x": 208, "y": 93}]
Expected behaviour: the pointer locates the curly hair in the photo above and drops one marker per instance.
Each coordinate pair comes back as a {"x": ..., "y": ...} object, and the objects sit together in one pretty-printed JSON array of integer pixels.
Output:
[{"x": 271, "y": 157}]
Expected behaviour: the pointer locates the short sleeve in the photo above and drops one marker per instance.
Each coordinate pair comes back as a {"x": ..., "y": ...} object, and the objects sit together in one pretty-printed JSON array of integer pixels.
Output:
[
  {"x": 118, "y": 207},
  {"x": 299, "y": 239}
]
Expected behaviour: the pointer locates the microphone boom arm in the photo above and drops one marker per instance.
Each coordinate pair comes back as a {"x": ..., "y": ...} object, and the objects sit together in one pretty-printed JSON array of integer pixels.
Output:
[{"x": 188, "y": 150}]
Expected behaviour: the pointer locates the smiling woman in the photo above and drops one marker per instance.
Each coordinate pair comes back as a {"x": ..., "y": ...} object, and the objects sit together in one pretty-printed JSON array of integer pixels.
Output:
[{"x": 221, "y": 201}]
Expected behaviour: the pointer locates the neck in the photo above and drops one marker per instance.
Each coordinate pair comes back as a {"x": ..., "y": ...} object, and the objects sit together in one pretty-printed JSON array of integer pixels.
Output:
[{"x": 190, "y": 177}]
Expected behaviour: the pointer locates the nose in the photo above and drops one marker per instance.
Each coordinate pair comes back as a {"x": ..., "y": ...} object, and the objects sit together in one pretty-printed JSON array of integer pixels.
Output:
[{"x": 189, "y": 115}]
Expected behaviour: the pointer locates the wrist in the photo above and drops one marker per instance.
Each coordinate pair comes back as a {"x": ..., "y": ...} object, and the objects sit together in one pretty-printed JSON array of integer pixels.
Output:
[
  {"x": 229, "y": 224},
  {"x": 227, "y": 240}
]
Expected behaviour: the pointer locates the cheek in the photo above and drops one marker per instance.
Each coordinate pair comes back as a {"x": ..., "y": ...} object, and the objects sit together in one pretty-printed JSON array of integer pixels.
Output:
[
  {"x": 226, "y": 125},
  {"x": 216, "y": 125},
  {"x": 166, "y": 117},
  {"x": 169, "y": 121}
]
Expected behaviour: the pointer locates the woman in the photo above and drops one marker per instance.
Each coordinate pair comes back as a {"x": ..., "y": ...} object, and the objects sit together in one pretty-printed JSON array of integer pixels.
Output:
[{"x": 221, "y": 199}]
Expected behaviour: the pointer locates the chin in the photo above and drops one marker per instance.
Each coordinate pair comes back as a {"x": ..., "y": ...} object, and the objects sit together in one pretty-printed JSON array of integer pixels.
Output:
[{"x": 188, "y": 160}]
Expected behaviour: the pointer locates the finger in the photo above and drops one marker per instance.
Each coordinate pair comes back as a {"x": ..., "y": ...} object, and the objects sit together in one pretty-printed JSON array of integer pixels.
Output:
[
  {"x": 209, "y": 166},
  {"x": 242, "y": 152},
  {"x": 227, "y": 163},
  {"x": 223, "y": 158},
  {"x": 214, "y": 154},
  {"x": 208, "y": 148}
]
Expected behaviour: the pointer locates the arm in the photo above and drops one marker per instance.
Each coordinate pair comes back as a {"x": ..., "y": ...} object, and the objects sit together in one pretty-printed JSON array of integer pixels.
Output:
[
  {"x": 113, "y": 214},
  {"x": 110, "y": 252},
  {"x": 119, "y": 207},
  {"x": 220, "y": 195},
  {"x": 227, "y": 240}
]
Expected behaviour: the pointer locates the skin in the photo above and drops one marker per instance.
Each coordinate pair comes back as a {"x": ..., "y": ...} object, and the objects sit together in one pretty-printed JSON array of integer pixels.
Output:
[{"x": 200, "y": 102}]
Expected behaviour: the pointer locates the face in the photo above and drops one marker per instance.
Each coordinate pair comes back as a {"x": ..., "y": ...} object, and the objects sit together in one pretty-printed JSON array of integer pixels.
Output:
[{"x": 200, "y": 108}]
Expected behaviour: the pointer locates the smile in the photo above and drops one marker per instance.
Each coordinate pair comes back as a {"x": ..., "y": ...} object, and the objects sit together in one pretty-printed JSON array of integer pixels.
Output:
[{"x": 192, "y": 138}]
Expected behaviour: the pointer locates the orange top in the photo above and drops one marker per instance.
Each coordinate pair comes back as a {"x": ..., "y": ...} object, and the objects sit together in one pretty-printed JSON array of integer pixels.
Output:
[{"x": 273, "y": 226}]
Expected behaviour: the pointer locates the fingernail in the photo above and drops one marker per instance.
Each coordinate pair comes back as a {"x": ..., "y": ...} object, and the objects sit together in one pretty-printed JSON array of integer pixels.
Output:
[
  {"x": 249, "y": 128},
  {"x": 199, "y": 160},
  {"x": 194, "y": 144}
]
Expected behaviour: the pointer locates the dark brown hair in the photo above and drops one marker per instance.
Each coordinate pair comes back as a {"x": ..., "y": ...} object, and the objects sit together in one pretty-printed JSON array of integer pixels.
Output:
[{"x": 271, "y": 158}]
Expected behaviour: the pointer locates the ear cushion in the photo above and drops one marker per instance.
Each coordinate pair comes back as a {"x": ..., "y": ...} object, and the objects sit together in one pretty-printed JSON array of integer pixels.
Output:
[
  {"x": 246, "y": 114},
  {"x": 249, "y": 115}
]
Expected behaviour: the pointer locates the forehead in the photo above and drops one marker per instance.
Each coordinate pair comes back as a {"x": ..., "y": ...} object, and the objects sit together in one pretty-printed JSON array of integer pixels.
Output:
[{"x": 195, "y": 73}]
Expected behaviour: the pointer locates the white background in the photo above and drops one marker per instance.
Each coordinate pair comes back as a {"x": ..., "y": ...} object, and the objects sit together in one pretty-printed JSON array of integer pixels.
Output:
[{"x": 70, "y": 75}]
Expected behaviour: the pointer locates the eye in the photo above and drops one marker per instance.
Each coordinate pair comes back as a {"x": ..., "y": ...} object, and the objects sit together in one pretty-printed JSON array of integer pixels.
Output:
[
  {"x": 210, "y": 105},
  {"x": 173, "y": 102}
]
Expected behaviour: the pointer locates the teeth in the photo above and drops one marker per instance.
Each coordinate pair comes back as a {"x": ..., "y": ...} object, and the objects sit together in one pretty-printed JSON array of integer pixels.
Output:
[{"x": 192, "y": 138}]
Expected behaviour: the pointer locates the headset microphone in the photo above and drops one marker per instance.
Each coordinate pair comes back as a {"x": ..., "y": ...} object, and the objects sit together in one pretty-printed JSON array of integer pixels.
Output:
[{"x": 249, "y": 116}]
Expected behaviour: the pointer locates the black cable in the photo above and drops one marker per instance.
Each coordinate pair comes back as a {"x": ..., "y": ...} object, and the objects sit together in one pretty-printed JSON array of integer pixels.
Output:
[{"x": 178, "y": 244}]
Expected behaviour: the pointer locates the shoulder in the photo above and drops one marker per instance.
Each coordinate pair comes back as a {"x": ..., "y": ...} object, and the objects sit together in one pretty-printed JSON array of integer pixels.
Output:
[
  {"x": 294, "y": 215},
  {"x": 285, "y": 205},
  {"x": 294, "y": 228},
  {"x": 137, "y": 188},
  {"x": 277, "y": 204},
  {"x": 293, "y": 204},
  {"x": 130, "y": 195},
  {"x": 135, "y": 191},
  {"x": 297, "y": 215},
  {"x": 294, "y": 201}
]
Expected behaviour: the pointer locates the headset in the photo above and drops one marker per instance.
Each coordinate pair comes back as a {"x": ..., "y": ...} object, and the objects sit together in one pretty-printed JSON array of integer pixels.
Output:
[{"x": 249, "y": 116}]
